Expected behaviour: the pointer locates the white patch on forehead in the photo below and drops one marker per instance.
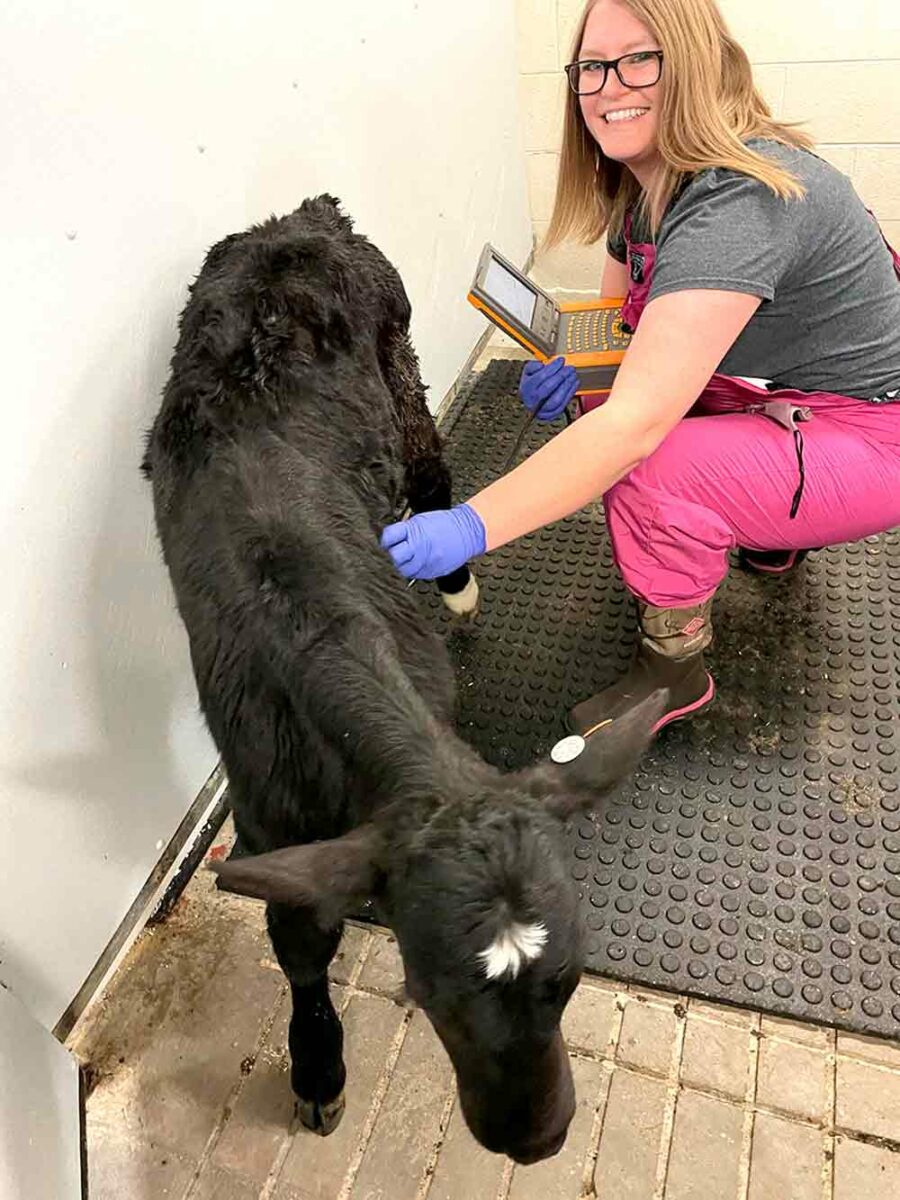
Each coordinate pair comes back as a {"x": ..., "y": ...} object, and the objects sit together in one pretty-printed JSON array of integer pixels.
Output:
[{"x": 512, "y": 949}]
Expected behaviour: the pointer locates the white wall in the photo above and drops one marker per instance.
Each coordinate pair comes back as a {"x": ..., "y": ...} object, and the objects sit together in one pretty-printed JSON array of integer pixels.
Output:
[
  {"x": 40, "y": 1114},
  {"x": 132, "y": 140}
]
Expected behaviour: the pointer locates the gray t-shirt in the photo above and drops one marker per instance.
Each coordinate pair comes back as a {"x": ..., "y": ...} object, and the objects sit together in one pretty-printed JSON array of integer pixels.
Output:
[{"x": 830, "y": 317}]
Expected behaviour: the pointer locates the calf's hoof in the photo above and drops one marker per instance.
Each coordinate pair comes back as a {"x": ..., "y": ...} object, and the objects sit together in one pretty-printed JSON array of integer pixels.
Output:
[
  {"x": 321, "y": 1118},
  {"x": 464, "y": 603}
]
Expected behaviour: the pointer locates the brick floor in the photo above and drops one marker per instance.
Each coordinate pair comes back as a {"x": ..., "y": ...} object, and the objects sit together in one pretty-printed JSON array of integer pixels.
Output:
[{"x": 677, "y": 1099}]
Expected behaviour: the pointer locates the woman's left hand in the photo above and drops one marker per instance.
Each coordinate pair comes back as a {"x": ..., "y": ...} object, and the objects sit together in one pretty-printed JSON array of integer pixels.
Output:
[{"x": 547, "y": 388}]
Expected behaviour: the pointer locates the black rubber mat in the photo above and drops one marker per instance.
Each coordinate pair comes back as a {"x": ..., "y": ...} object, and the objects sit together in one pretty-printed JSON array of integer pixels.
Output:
[{"x": 755, "y": 859}]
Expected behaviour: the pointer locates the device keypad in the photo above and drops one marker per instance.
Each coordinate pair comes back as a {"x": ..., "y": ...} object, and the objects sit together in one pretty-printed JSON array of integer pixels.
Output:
[{"x": 593, "y": 330}]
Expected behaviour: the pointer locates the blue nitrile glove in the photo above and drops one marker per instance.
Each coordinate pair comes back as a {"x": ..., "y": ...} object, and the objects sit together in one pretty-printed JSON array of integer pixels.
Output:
[
  {"x": 546, "y": 388},
  {"x": 430, "y": 544}
]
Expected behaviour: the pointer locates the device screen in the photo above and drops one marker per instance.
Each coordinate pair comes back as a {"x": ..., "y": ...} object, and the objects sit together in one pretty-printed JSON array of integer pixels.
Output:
[{"x": 509, "y": 292}]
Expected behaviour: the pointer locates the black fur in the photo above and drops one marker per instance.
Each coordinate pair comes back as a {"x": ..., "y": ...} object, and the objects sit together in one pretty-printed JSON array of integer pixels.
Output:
[{"x": 293, "y": 427}]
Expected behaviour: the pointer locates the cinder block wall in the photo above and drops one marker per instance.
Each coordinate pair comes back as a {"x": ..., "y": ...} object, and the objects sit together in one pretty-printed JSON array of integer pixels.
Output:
[{"x": 833, "y": 65}]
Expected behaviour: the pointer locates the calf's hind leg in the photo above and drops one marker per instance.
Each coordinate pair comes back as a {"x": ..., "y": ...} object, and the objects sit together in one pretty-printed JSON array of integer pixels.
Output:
[
  {"x": 315, "y": 1037},
  {"x": 428, "y": 484},
  {"x": 428, "y": 487}
]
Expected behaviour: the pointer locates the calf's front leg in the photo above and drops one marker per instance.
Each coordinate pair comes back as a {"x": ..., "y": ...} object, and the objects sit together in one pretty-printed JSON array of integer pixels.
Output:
[{"x": 315, "y": 1037}]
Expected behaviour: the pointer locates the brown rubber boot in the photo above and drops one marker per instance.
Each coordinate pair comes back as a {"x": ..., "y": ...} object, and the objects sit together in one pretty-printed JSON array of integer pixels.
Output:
[{"x": 669, "y": 655}]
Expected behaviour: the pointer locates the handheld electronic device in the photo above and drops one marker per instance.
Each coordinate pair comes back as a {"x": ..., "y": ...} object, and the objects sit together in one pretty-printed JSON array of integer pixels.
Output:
[{"x": 589, "y": 335}]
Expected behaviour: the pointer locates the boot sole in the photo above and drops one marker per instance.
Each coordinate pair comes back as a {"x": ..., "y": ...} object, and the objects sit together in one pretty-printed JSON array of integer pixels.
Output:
[
  {"x": 679, "y": 714},
  {"x": 755, "y": 567}
]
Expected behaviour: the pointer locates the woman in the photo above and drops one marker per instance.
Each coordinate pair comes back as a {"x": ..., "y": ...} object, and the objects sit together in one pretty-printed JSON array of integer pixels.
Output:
[{"x": 765, "y": 306}]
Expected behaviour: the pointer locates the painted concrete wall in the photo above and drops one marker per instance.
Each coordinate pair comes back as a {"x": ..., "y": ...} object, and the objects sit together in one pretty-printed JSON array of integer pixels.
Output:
[
  {"x": 828, "y": 63},
  {"x": 134, "y": 137},
  {"x": 40, "y": 1126}
]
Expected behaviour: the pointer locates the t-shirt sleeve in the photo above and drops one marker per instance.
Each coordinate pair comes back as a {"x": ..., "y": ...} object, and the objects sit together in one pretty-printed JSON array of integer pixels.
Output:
[
  {"x": 728, "y": 232},
  {"x": 615, "y": 244}
]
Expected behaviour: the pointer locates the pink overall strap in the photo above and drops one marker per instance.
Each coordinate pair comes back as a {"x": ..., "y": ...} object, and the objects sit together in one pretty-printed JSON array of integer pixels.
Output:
[{"x": 641, "y": 261}]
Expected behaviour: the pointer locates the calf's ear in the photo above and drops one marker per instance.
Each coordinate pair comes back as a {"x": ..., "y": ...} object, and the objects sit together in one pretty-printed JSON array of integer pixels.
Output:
[
  {"x": 608, "y": 756},
  {"x": 333, "y": 878}
]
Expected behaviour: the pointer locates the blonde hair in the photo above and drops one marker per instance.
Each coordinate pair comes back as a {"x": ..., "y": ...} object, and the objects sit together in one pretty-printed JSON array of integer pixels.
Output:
[{"x": 709, "y": 108}]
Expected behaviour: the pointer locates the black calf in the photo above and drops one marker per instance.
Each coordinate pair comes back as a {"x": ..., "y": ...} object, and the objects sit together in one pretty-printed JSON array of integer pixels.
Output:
[{"x": 292, "y": 429}]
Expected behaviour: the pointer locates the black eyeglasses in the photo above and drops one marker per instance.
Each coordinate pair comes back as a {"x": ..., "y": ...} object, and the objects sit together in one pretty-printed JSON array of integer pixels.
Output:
[{"x": 639, "y": 70}]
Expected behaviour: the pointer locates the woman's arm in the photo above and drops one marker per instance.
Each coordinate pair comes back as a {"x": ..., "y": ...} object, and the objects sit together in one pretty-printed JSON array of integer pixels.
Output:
[
  {"x": 614, "y": 283},
  {"x": 678, "y": 345}
]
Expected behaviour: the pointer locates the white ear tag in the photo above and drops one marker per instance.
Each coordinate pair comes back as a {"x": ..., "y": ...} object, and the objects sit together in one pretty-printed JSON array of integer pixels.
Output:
[{"x": 568, "y": 749}]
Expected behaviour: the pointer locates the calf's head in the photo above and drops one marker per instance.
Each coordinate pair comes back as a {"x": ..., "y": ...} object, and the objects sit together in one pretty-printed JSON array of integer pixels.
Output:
[{"x": 478, "y": 893}]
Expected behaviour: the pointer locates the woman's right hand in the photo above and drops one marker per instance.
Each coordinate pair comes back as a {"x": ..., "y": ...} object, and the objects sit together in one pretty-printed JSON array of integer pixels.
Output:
[{"x": 546, "y": 388}]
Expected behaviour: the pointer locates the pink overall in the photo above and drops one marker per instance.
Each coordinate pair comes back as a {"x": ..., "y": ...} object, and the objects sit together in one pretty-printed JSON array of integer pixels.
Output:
[{"x": 739, "y": 471}]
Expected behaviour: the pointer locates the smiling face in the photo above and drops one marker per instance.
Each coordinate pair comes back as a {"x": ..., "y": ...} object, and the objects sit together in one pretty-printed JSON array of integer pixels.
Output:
[{"x": 622, "y": 120}]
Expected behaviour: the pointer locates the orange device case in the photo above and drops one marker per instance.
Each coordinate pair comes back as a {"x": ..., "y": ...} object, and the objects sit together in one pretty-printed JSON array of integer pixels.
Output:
[{"x": 575, "y": 358}]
